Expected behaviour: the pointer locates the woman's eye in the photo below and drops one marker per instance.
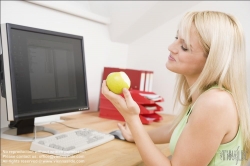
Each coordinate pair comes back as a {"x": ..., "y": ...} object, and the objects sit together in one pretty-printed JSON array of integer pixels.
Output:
[{"x": 184, "y": 49}]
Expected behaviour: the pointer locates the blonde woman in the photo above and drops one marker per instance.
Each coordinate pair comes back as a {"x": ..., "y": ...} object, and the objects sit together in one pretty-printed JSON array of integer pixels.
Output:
[{"x": 208, "y": 56}]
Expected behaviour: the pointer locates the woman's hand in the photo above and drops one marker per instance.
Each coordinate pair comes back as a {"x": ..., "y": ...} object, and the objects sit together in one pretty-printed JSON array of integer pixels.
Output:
[
  {"x": 126, "y": 106},
  {"x": 126, "y": 132}
]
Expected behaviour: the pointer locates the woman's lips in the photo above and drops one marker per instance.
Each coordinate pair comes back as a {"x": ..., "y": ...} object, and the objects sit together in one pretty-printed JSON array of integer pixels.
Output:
[{"x": 171, "y": 58}]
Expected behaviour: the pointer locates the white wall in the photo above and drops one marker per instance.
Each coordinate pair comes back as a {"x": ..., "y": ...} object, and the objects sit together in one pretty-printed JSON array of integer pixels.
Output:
[
  {"x": 124, "y": 14},
  {"x": 100, "y": 51},
  {"x": 151, "y": 51}
]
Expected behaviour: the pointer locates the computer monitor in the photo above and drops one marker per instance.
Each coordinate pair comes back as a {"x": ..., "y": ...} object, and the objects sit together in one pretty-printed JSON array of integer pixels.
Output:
[{"x": 42, "y": 73}]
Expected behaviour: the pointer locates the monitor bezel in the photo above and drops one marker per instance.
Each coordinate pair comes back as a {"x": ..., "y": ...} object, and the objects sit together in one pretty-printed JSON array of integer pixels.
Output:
[{"x": 16, "y": 116}]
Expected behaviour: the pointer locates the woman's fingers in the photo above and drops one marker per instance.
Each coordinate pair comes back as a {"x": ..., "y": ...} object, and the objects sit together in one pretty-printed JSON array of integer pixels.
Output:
[
  {"x": 127, "y": 96},
  {"x": 117, "y": 100},
  {"x": 125, "y": 132},
  {"x": 123, "y": 129},
  {"x": 120, "y": 126},
  {"x": 108, "y": 94}
]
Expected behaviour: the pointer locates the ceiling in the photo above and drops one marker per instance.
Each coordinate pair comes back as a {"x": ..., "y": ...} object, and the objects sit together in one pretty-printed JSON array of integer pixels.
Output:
[
  {"x": 132, "y": 19},
  {"x": 127, "y": 20}
]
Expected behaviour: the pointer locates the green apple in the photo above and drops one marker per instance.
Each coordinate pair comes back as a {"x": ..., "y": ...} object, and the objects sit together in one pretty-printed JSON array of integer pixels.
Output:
[{"x": 116, "y": 81}]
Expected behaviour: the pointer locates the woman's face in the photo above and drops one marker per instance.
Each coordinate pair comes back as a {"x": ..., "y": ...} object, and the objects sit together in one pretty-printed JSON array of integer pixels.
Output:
[{"x": 184, "y": 61}]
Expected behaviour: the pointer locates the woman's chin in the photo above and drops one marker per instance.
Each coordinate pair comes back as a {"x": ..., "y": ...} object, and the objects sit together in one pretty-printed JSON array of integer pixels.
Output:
[{"x": 171, "y": 68}]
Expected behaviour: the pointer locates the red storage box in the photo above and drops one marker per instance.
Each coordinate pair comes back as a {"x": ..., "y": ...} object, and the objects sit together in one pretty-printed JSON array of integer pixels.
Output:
[
  {"x": 110, "y": 113},
  {"x": 145, "y": 109}
]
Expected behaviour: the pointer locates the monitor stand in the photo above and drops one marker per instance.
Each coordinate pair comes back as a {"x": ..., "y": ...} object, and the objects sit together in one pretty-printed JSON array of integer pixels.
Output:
[
  {"x": 16, "y": 128},
  {"x": 19, "y": 127}
]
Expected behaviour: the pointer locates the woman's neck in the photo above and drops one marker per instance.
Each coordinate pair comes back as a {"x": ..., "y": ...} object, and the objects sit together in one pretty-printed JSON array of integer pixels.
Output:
[{"x": 190, "y": 82}]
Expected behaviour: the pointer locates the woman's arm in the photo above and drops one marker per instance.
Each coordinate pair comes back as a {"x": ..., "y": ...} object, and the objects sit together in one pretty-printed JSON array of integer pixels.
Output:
[
  {"x": 161, "y": 135},
  {"x": 158, "y": 135},
  {"x": 150, "y": 154}
]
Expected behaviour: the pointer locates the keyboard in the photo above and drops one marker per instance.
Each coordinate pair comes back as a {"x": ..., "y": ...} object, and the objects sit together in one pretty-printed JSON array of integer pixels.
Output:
[{"x": 71, "y": 142}]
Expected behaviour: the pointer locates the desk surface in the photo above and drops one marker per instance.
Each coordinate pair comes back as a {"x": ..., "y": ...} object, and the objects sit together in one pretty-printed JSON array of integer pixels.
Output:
[{"x": 113, "y": 153}]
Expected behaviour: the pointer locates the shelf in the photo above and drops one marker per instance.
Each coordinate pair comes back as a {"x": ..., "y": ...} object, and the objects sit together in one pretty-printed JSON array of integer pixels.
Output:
[
  {"x": 106, "y": 104},
  {"x": 115, "y": 115}
]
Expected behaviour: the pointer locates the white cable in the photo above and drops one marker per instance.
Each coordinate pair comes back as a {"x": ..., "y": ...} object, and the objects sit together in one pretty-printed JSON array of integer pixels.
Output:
[{"x": 64, "y": 125}]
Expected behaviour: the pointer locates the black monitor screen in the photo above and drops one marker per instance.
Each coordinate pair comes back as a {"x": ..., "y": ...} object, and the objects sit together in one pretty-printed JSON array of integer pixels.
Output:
[{"x": 47, "y": 72}]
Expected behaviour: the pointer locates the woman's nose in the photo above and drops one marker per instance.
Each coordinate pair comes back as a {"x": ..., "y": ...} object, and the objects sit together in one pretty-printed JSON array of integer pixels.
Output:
[{"x": 172, "y": 48}]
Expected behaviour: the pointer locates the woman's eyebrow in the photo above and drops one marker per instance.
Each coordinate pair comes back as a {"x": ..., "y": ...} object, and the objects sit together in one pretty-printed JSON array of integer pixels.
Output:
[
  {"x": 183, "y": 40},
  {"x": 186, "y": 43}
]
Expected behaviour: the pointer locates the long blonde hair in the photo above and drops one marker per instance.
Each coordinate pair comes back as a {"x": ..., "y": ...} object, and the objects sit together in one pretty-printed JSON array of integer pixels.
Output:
[{"x": 222, "y": 39}]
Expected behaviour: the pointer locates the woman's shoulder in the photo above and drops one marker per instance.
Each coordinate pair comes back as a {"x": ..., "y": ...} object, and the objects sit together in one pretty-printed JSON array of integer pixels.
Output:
[
  {"x": 217, "y": 97},
  {"x": 217, "y": 104},
  {"x": 216, "y": 100}
]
